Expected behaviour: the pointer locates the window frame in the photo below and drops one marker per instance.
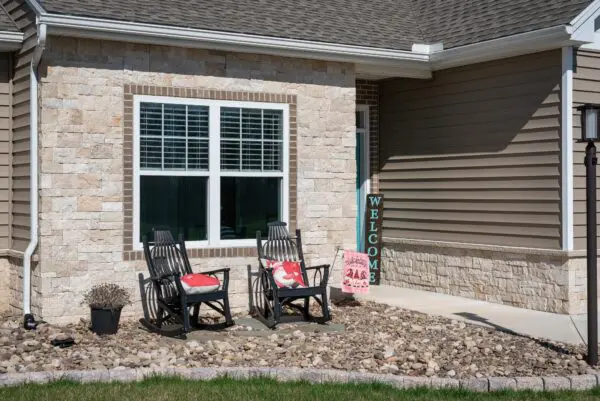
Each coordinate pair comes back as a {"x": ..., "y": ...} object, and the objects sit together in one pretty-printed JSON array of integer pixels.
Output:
[{"x": 214, "y": 172}]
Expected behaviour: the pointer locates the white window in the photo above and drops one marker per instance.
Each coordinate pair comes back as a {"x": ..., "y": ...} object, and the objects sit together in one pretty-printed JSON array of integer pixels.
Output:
[{"x": 214, "y": 171}]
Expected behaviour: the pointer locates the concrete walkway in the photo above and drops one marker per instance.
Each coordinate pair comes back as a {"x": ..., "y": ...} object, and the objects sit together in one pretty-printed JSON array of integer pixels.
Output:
[{"x": 563, "y": 328}]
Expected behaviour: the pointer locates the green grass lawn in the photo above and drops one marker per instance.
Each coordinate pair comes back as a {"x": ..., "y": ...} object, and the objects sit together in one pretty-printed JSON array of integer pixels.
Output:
[{"x": 165, "y": 389}]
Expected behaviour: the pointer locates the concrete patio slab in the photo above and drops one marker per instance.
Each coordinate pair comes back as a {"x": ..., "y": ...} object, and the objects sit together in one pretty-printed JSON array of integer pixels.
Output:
[{"x": 563, "y": 328}]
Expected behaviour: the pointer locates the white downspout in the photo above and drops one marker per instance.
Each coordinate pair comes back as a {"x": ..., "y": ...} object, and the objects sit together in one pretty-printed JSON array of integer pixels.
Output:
[{"x": 33, "y": 168}]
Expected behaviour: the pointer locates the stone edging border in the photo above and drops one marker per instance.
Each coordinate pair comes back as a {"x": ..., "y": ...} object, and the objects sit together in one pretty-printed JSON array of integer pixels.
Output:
[{"x": 547, "y": 383}]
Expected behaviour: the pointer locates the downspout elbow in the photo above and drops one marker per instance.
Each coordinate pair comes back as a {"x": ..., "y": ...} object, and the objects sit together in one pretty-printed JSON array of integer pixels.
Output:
[{"x": 29, "y": 322}]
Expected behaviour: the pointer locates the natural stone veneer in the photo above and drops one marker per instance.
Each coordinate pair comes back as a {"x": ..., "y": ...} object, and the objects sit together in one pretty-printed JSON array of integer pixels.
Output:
[
  {"x": 526, "y": 278},
  {"x": 82, "y": 151}
]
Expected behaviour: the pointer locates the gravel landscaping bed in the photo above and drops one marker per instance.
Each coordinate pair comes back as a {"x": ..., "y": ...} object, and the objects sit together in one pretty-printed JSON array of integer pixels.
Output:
[{"x": 377, "y": 339}]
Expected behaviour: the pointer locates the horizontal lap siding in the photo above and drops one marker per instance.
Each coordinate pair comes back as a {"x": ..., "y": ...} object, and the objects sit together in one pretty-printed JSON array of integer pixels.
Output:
[
  {"x": 5, "y": 124},
  {"x": 25, "y": 20},
  {"x": 586, "y": 89},
  {"x": 473, "y": 155}
]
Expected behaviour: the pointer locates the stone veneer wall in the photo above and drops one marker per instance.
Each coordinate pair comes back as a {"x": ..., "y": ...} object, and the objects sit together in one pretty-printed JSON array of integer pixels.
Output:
[
  {"x": 5, "y": 291},
  {"x": 11, "y": 285},
  {"x": 533, "y": 279},
  {"x": 578, "y": 283},
  {"x": 82, "y": 157}
]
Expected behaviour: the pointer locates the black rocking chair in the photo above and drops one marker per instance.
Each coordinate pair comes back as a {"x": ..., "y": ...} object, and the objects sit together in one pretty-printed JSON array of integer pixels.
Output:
[
  {"x": 166, "y": 305},
  {"x": 268, "y": 300}
]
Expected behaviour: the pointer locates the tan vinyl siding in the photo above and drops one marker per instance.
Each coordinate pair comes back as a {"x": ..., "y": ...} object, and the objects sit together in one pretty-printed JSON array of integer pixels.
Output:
[
  {"x": 586, "y": 89},
  {"x": 25, "y": 20},
  {"x": 5, "y": 127},
  {"x": 473, "y": 155}
]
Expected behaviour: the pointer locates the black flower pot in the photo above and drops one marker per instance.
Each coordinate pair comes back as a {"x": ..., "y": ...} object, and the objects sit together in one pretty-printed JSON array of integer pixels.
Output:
[{"x": 105, "y": 321}]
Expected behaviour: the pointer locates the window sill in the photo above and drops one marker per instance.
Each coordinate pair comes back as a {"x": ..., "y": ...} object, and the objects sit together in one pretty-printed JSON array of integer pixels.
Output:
[
  {"x": 199, "y": 245},
  {"x": 204, "y": 252}
]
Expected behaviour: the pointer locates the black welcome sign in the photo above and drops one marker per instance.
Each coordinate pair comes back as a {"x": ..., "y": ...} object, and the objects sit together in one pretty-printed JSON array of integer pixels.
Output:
[{"x": 373, "y": 228}]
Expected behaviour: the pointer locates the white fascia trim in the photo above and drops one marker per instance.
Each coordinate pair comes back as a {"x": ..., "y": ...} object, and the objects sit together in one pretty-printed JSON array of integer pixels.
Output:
[
  {"x": 10, "y": 41},
  {"x": 427, "y": 48},
  {"x": 567, "y": 147},
  {"x": 510, "y": 46},
  {"x": 587, "y": 14},
  {"x": 36, "y": 6},
  {"x": 185, "y": 37},
  {"x": 584, "y": 25},
  {"x": 11, "y": 37}
]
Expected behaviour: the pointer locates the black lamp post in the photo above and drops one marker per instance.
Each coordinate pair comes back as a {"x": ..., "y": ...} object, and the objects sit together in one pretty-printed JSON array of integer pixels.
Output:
[{"x": 589, "y": 133}]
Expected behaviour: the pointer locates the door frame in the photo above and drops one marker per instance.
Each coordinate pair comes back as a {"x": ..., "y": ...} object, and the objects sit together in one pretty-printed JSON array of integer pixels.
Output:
[{"x": 365, "y": 166}]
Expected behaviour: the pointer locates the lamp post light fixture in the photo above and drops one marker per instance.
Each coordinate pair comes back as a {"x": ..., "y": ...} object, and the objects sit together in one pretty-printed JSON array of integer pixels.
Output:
[{"x": 589, "y": 133}]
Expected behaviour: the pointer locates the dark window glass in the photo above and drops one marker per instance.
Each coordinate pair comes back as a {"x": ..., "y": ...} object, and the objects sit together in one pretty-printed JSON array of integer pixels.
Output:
[
  {"x": 247, "y": 205},
  {"x": 178, "y": 204}
]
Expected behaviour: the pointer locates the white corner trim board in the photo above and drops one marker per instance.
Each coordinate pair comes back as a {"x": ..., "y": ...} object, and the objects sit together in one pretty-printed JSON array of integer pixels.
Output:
[{"x": 567, "y": 147}]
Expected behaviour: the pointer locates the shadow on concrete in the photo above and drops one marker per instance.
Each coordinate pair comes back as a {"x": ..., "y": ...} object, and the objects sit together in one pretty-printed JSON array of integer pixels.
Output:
[
  {"x": 479, "y": 319},
  {"x": 339, "y": 298}
]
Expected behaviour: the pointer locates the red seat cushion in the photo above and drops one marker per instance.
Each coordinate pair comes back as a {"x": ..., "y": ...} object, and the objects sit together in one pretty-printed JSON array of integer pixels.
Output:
[
  {"x": 287, "y": 274},
  {"x": 199, "y": 283}
]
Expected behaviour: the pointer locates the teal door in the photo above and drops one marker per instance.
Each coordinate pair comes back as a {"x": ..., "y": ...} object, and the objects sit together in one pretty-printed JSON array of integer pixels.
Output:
[{"x": 362, "y": 173}]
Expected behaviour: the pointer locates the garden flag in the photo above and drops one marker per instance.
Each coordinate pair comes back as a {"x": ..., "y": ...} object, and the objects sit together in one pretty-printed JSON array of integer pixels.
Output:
[{"x": 356, "y": 273}]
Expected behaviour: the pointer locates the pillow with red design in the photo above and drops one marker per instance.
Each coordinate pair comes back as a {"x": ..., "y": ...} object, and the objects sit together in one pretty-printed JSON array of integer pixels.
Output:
[
  {"x": 287, "y": 274},
  {"x": 199, "y": 283}
]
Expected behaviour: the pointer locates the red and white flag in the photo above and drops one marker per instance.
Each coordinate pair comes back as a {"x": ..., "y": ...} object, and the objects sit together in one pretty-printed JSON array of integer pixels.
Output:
[{"x": 356, "y": 273}]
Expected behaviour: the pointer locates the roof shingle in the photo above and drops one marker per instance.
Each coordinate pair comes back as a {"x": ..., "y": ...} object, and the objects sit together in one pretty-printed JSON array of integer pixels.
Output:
[
  {"x": 391, "y": 24},
  {"x": 378, "y": 23},
  {"x": 462, "y": 22}
]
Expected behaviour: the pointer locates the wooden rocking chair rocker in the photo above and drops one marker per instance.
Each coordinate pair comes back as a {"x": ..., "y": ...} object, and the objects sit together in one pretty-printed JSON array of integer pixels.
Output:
[
  {"x": 268, "y": 299},
  {"x": 165, "y": 303}
]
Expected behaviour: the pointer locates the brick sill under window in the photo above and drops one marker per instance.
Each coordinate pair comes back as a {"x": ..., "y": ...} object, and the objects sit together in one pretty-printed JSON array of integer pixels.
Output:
[{"x": 195, "y": 253}]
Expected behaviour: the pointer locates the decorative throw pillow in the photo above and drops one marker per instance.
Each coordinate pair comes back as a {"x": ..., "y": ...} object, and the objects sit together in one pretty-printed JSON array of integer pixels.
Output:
[
  {"x": 287, "y": 274},
  {"x": 199, "y": 283}
]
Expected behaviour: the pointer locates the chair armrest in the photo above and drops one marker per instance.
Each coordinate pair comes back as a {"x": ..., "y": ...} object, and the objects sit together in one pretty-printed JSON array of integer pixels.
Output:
[
  {"x": 217, "y": 271},
  {"x": 319, "y": 267},
  {"x": 174, "y": 277},
  {"x": 164, "y": 276},
  {"x": 224, "y": 272},
  {"x": 322, "y": 271}
]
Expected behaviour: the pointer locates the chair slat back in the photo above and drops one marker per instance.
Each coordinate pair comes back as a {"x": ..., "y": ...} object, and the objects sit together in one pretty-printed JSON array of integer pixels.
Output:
[
  {"x": 165, "y": 255},
  {"x": 280, "y": 245}
]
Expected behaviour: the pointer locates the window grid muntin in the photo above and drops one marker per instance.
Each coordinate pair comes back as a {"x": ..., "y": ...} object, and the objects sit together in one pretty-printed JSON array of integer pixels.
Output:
[
  {"x": 202, "y": 140},
  {"x": 235, "y": 139}
]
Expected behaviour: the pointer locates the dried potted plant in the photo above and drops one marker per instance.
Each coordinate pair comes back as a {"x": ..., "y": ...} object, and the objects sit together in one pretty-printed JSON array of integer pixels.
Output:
[{"x": 106, "y": 302}]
